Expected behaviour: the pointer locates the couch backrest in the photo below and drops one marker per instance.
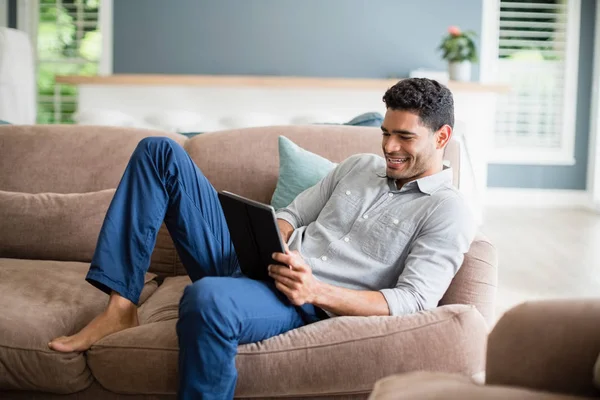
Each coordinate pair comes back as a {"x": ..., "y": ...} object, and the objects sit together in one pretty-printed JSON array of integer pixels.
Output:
[
  {"x": 66, "y": 158},
  {"x": 225, "y": 156},
  {"x": 81, "y": 159}
]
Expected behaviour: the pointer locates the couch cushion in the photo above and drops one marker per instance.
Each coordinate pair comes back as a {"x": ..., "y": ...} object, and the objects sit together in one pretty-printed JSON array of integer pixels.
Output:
[
  {"x": 57, "y": 226},
  {"x": 299, "y": 169},
  {"x": 164, "y": 260},
  {"x": 433, "y": 386},
  {"x": 339, "y": 355},
  {"x": 164, "y": 303},
  {"x": 67, "y": 158},
  {"x": 42, "y": 300},
  {"x": 52, "y": 226},
  {"x": 597, "y": 373}
]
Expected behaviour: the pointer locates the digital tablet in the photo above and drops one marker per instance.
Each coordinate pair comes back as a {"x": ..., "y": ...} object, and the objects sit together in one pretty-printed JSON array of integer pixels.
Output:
[{"x": 254, "y": 233}]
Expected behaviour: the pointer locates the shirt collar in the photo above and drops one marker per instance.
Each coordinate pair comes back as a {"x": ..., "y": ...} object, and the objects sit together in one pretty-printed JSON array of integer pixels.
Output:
[{"x": 432, "y": 183}]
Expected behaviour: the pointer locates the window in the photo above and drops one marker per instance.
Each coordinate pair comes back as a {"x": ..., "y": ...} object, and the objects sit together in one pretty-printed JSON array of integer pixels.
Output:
[
  {"x": 537, "y": 52},
  {"x": 68, "y": 37}
]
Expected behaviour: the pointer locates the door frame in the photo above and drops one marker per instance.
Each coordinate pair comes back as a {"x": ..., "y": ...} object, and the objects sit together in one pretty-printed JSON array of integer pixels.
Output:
[{"x": 593, "y": 173}]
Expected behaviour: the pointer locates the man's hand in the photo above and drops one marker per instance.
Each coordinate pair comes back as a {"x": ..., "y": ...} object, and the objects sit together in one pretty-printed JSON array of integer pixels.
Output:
[{"x": 294, "y": 278}]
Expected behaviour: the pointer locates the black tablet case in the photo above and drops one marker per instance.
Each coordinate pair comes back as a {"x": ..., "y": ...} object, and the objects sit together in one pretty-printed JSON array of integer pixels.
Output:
[{"x": 254, "y": 234}]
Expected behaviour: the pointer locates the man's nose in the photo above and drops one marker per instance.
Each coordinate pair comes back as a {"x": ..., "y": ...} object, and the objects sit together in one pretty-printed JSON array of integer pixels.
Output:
[{"x": 392, "y": 146}]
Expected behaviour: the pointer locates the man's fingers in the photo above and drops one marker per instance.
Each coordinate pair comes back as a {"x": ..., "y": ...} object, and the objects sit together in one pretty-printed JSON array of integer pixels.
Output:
[
  {"x": 293, "y": 259},
  {"x": 288, "y": 282},
  {"x": 283, "y": 258},
  {"x": 279, "y": 270},
  {"x": 300, "y": 267},
  {"x": 289, "y": 293},
  {"x": 283, "y": 289}
]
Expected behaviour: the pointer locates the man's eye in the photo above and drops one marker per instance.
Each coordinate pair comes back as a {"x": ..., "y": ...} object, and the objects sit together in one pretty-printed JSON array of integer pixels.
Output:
[{"x": 385, "y": 134}]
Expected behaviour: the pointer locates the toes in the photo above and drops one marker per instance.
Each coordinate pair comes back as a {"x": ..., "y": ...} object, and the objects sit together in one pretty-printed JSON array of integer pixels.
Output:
[
  {"x": 60, "y": 339},
  {"x": 58, "y": 347},
  {"x": 53, "y": 345},
  {"x": 62, "y": 347},
  {"x": 63, "y": 344}
]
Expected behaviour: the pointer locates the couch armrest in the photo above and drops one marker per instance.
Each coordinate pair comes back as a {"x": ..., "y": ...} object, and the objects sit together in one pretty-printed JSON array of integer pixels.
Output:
[
  {"x": 477, "y": 279},
  {"x": 546, "y": 345}
]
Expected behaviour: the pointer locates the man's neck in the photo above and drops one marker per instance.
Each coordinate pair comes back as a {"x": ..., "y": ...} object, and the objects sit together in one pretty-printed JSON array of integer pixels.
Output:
[{"x": 401, "y": 182}]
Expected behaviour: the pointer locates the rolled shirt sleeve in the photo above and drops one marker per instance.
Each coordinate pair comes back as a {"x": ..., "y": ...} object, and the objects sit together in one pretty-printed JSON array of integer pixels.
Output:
[{"x": 434, "y": 258}]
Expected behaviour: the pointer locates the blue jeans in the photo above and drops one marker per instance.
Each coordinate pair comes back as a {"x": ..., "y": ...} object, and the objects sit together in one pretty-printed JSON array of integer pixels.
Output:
[{"x": 221, "y": 308}]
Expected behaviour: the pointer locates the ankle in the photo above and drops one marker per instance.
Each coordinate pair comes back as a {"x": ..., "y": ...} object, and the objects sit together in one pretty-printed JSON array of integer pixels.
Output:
[{"x": 120, "y": 304}]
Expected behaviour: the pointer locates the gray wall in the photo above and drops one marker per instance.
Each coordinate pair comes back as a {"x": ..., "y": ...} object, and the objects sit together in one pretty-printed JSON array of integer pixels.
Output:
[
  {"x": 330, "y": 38},
  {"x": 338, "y": 38},
  {"x": 561, "y": 177}
]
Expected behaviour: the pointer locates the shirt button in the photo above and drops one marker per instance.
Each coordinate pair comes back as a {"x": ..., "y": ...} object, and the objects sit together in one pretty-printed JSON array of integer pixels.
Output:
[
  {"x": 346, "y": 239},
  {"x": 348, "y": 192},
  {"x": 365, "y": 216},
  {"x": 391, "y": 194},
  {"x": 396, "y": 221},
  {"x": 324, "y": 258}
]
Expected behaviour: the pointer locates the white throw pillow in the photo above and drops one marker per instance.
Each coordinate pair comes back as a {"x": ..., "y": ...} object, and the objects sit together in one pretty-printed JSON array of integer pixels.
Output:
[
  {"x": 319, "y": 118},
  {"x": 106, "y": 117},
  {"x": 178, "y": 121},
  {"x": 251, "y": 119}
]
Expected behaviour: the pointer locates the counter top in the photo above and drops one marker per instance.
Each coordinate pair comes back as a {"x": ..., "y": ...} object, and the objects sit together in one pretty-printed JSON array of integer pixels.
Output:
[{"x": 262, "y": 81}]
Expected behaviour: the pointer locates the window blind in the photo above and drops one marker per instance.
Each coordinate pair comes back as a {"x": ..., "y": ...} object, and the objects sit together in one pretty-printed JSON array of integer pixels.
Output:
[{"x": 532, "y": 58}]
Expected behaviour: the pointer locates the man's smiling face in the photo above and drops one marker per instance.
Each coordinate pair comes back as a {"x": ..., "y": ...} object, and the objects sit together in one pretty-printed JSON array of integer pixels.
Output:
[{"x": 409, "y": 147}]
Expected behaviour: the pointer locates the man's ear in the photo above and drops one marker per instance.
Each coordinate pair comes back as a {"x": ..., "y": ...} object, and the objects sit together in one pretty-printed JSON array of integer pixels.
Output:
[{"x": 442, "y": 136}]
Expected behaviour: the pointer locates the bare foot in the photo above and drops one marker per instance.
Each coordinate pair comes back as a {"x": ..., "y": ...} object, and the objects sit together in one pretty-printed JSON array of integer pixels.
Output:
[{"x": 119, "y": 314}]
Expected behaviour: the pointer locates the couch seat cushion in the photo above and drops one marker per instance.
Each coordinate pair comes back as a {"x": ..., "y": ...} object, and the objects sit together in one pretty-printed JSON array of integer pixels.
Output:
[
  {"x": 339, "y": 355},
  {"x": 42, "y": 300}
]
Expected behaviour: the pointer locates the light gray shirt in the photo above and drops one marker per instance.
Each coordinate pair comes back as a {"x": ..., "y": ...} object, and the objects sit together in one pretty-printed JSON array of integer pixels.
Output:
[{"x": 356, "y": 230}]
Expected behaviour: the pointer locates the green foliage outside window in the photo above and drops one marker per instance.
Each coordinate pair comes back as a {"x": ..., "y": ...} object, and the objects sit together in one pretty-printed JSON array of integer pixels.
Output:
[{"x": 63, "y": 49}]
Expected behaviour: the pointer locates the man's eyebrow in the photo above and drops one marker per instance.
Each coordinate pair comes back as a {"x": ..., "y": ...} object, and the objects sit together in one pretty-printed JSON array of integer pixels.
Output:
[{"x": 399, "y": 132}]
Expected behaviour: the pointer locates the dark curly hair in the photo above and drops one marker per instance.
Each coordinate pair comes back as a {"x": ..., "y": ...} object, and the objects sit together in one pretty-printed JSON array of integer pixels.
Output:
[{"x": 429, "y": 99}]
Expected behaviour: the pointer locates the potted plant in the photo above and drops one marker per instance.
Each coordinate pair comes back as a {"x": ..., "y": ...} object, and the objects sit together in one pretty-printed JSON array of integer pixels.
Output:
[{"x": 458, "y": 48}]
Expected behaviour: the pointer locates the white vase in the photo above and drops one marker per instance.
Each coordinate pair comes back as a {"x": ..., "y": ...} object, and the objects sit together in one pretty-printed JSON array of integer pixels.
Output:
[{"x": 460, "y": 71}]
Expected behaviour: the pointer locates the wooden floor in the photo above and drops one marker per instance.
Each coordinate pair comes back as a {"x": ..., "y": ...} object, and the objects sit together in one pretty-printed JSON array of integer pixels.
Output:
[{"x": 544, "y": 253}]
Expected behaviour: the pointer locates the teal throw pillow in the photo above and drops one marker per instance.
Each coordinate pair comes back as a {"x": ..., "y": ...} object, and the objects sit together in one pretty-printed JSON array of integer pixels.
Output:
[
  {"x": 367, "y": 119},
  {"x": 299, "y": 169},
  {"x": 190, "y": 135},
  {"x": 4, "y": 122}
]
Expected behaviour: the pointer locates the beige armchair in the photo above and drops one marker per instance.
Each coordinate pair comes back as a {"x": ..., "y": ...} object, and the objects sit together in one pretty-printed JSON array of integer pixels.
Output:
[{"x": 539, "y": 350}]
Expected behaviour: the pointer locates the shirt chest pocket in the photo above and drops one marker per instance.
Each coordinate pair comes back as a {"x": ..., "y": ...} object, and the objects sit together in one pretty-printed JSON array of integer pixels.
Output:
[
  {"x": 341, "y": 210},
  {"x": 388, "y": 237}
]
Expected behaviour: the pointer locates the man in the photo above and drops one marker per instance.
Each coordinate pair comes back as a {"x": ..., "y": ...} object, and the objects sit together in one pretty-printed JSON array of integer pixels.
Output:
[{"x": 377, "y": 236}]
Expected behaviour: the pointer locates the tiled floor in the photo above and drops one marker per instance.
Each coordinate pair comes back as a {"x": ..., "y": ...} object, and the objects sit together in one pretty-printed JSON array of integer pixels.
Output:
[{"x": 544, "y": 253}]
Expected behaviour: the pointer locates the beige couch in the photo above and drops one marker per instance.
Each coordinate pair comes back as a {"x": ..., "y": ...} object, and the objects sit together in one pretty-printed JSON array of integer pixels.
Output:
[
  {"x": 56, "y": 183},
  {"x": 544, "y": 350}
]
